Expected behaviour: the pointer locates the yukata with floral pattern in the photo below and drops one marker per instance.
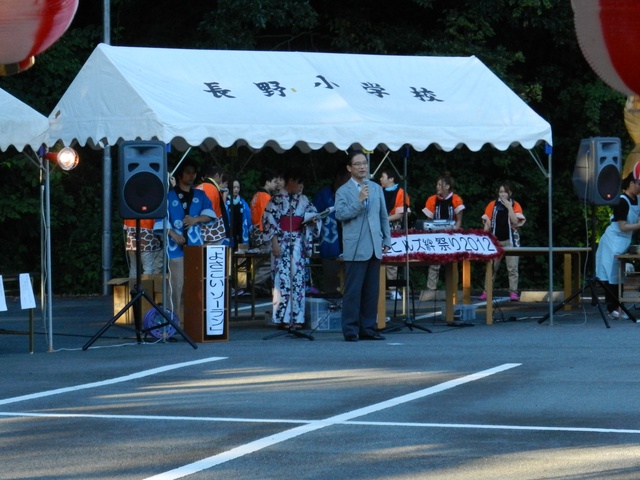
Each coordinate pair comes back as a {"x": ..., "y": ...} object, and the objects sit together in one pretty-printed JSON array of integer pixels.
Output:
[{"x": 283, "y": 219}]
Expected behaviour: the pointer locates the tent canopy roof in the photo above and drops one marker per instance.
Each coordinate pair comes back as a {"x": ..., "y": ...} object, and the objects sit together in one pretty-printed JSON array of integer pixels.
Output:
[
  {"x": 20, "y": 125},
  {"x": 287, "y": 99}
]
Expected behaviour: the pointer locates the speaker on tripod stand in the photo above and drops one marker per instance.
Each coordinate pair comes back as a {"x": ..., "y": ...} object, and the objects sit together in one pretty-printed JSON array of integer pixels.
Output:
[
  {"x": 597, "y": 181},
  {"x": 596, "y": 178},
  {"x": 143, "y": 194}
]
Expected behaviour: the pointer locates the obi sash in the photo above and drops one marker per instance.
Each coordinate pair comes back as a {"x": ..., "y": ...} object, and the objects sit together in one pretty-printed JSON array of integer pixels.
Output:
[{"x": 291, "y": 223}]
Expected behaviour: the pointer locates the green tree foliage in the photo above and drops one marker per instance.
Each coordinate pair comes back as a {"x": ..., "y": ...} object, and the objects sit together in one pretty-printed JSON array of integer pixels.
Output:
[{"x": 530, "y": 44}]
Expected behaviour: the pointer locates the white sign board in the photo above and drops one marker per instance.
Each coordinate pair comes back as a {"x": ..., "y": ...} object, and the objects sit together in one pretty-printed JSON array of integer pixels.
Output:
[
  {"x": 215, "y": 289},
  {"x": 443, "y": 247},
  {"x": 3, "y": 301}
]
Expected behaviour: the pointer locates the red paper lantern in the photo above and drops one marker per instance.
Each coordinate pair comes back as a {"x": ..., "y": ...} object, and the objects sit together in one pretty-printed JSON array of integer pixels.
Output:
[
  {"x": 609, "y": 36},
  {"x": 29, "y": 27}
]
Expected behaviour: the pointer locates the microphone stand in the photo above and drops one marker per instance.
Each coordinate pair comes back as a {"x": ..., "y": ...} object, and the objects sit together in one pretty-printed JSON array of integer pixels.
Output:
[{"x": 409, "y": 319}]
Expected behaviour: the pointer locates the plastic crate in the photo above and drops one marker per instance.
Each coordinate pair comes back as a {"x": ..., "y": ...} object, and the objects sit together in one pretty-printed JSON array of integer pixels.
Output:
[
  {"x": 465, "y": 313},
  {"x": 323, "y": 315}
]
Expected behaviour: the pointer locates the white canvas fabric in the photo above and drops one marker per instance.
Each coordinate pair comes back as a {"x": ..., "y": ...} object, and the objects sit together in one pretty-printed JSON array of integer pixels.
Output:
[
  {"x": 287, "y": 99},
  {"x": 20, "y": 125}
]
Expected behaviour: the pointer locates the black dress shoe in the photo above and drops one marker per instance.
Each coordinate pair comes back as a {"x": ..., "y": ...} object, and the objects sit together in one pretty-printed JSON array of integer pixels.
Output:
[
  {"x": 351, "y": 338},
  {"x": 373, "y": 336}
]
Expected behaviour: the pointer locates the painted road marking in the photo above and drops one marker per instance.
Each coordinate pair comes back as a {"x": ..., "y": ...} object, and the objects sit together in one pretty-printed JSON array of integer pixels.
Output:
[
  {"x": 476, "y": 426},
  {"x": 125, "y": 378},
  {"x": 265, "y": 442}
]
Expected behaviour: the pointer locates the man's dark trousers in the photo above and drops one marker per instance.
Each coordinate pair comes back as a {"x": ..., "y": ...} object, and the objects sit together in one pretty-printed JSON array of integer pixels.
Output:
[{"x": 360, "y": 298}]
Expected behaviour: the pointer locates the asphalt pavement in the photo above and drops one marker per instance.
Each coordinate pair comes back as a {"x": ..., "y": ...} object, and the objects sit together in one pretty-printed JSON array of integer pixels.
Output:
[{"x": 517, "y": 399}]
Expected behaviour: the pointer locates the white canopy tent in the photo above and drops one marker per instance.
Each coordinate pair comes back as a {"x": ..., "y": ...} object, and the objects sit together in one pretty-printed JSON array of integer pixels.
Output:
[
  {"x": 286, "y": 99},
  {"x": 20, "y": 125}
]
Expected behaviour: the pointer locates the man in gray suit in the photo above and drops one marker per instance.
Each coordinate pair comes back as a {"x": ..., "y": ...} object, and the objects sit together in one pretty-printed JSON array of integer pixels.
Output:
[{"x": 361, "y": 208}]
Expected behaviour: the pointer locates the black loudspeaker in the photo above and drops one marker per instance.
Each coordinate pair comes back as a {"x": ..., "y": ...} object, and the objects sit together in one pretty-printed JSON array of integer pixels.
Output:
[
  {"x": 596, "y": 175},
  {"x": 143, "y": 179}
]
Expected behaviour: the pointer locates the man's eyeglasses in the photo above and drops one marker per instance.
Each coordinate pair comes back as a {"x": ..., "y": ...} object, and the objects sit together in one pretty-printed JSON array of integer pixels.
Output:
[{"x": 359, "y": 164}]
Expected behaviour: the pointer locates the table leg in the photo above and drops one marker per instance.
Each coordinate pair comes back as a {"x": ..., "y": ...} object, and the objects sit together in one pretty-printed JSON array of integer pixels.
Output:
[
  {"x": 31, "y": 331},
  {"x": 572, "y": 277},
  {"x": 251, "y": 275},
  {"x": 451, "y": 282},
  {"x": 488, "y": 281},
  {"x": 567, "y": 285},
  {"x": 234, "y": 260},
  {"x": 576, "y": 282},
  {"x": 382, "y": 299},
  {"x": 466, "y": 282}
]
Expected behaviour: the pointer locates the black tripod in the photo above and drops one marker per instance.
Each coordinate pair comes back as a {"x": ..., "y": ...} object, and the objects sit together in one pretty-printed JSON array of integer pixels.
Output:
[
  {"x": 594, "y": 301},
  {"x": 136, "y": 302},
  {"x": 291, "y": 330},
  {"x": 408, "y": 320}
]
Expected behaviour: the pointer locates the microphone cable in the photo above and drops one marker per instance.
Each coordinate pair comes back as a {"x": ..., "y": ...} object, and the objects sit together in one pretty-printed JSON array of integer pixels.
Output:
[{"x": 366, "y": 214}]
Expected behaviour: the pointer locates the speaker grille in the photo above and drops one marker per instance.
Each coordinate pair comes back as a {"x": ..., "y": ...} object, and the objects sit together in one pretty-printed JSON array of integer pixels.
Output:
[
  {"x": 596, "y": 175},
  {"x": 143, "y": 193},
  {"x": 608, "y": 182}
]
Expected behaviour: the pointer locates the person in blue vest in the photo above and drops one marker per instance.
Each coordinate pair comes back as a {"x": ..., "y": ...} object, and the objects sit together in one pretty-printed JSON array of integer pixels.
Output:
[
  {"x": 239, "y": 216},
  {"x": 188, "y": 209},
  {"x": 330, "y": 247}
]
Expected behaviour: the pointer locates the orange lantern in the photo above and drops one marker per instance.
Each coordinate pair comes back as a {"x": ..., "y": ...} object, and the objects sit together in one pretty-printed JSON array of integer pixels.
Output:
[{"x": 29, "y": 27}]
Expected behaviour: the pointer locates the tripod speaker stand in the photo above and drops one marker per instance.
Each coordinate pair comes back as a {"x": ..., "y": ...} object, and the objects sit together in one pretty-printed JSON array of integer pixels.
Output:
[
  {"x": 594, "y": 301},
  {"x": 137, "y": 293}
]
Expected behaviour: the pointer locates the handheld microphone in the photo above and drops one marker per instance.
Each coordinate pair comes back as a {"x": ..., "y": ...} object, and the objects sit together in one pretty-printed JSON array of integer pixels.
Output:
[{"x": 366, "y": 200}]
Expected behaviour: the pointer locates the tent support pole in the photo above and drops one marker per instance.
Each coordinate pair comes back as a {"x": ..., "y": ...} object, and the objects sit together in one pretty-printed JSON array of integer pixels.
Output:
[
  {"x": 548, "y": 150},
  {"x": 107, "y": 255},
  {"x": 550, "y": 223}
]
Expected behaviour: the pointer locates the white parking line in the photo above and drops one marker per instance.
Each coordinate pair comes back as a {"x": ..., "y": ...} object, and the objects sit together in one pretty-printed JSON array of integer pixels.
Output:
[
  {"x": 256, "y": 306},
  {"x": 537, "y": 428},
  {"x": 126, "y": 378},
  {"x": 299, "y": 421},
  {"x": 316, "y": 425}
]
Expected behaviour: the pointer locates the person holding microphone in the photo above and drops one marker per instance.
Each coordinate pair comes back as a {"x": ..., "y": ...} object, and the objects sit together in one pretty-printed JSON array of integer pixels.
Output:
[
  {"x": 503, "y": 217},
  {"x": 361, "y": 208}
]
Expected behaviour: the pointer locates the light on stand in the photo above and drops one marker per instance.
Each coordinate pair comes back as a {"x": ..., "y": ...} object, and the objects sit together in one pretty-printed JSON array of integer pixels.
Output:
[{"x": 67, "y": 158}]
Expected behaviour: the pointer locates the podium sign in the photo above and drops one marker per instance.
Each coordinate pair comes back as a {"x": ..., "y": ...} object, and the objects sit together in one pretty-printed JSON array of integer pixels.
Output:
[
  {"x": 206, "y": 292},
  {"x": 215, "y": 286}
]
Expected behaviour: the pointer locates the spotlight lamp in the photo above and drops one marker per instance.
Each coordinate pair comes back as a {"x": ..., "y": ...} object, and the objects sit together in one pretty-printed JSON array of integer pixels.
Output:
[{"x": 67, "y": 158}]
